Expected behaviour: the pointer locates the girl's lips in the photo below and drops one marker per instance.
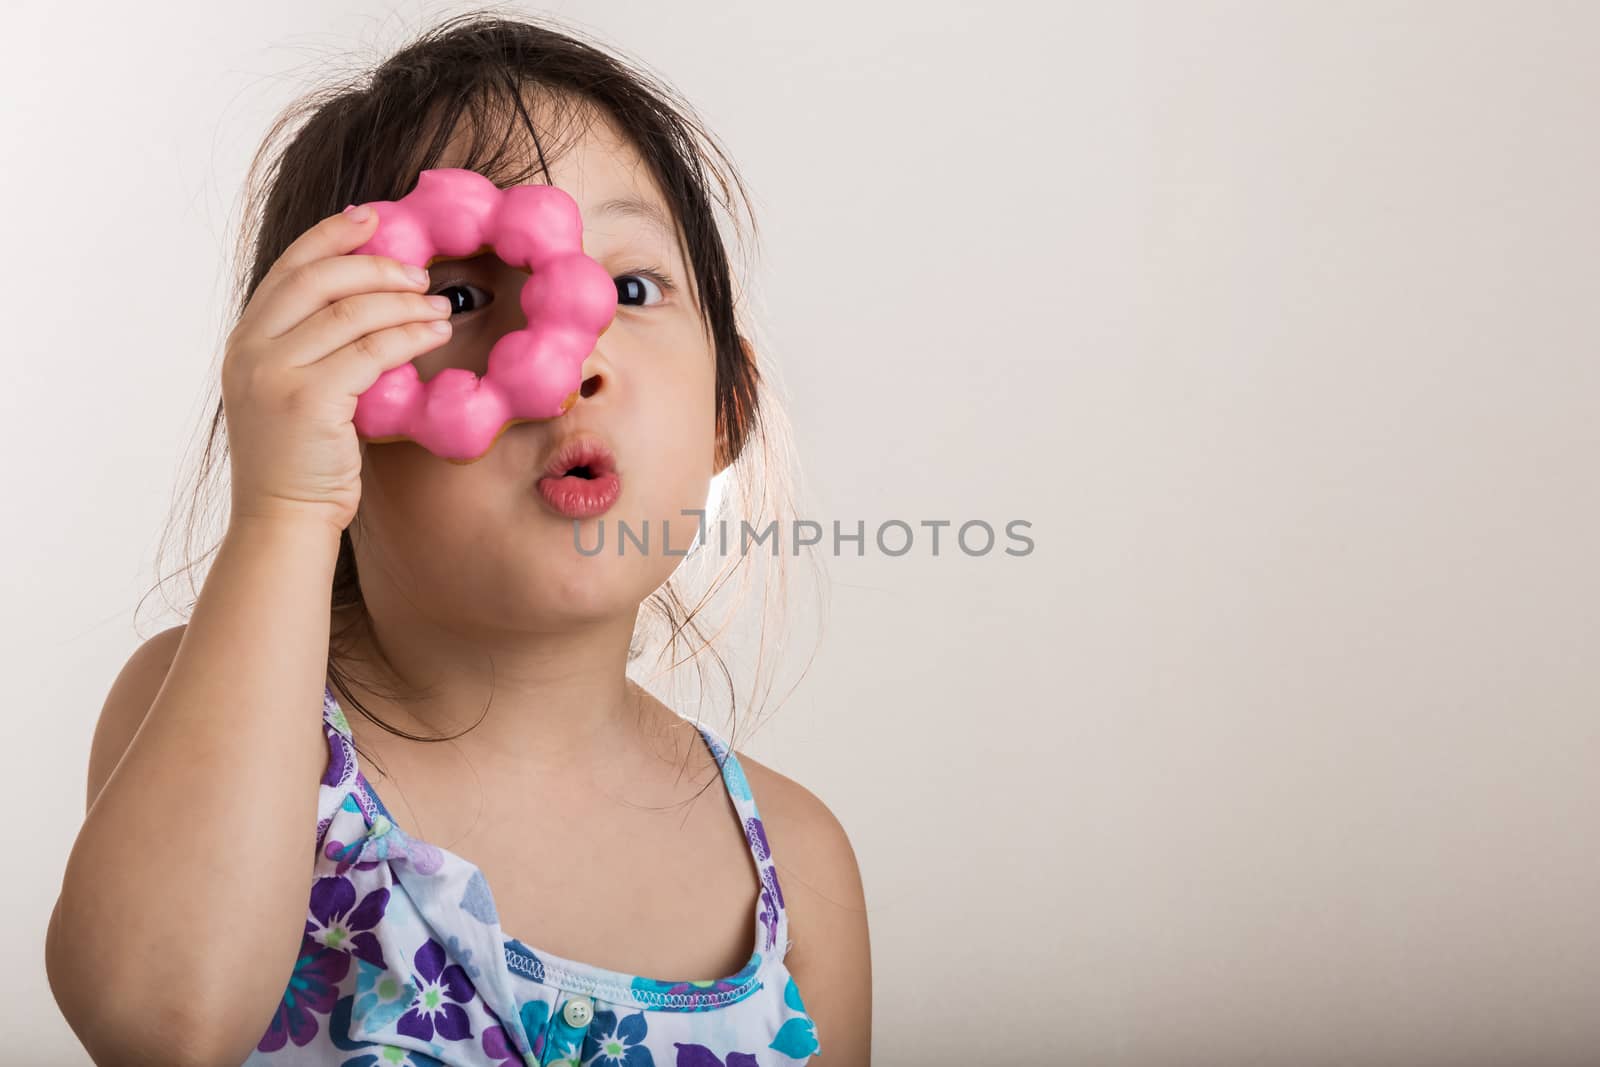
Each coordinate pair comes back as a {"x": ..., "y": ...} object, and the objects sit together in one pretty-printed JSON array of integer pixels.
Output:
[
  {"x": 572, "y": 494},
  {"x": 581, "y": 451},
  {"x": 581, "y": 498}
]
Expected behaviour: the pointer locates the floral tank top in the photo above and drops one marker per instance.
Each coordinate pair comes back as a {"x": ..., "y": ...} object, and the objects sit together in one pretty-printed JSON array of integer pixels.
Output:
[{"x": 403, "y": 961}]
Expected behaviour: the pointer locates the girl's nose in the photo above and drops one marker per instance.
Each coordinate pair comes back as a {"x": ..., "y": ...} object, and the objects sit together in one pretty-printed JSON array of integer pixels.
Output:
[{"x": 595, "y": 373}]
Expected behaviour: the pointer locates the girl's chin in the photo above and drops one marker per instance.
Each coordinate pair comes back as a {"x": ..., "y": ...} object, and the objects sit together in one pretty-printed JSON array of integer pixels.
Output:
[
  {"x": 591, "y": 584},
  {"x": 625, "y": 532}
]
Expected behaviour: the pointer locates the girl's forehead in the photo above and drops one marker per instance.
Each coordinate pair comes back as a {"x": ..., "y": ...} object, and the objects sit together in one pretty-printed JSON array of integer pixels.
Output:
[{"x": 587, "y": 158}]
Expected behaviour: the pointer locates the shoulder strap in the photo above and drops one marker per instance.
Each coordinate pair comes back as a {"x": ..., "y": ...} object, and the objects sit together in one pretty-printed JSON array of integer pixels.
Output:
[
  {"x": 770, "y": 911},
  {"x": 340, "y": 774}
]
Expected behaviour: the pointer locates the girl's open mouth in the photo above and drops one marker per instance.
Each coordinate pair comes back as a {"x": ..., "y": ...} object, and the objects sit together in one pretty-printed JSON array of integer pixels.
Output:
[{"x": 581, "y": 479}]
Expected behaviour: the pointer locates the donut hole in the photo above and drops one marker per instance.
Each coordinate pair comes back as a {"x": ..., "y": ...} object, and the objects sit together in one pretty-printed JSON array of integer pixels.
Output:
[{"x": 468, "y": 347}]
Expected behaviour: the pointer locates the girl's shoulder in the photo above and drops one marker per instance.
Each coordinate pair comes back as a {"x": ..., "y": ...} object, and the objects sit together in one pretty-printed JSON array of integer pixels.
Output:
[
  {"x": 127, "y": 704},
  {"x": 805, "y": 837},
  {"x": 809, "y": 832}
]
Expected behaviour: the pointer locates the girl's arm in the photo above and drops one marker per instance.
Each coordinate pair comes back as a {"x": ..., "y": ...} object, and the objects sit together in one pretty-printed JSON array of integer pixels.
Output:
[
  {"x": 180, "y": 913},
  {"x": 184, "y": 899}
]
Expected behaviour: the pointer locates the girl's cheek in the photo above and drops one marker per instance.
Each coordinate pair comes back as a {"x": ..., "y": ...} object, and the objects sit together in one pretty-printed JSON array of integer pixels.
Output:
[{"x": 464, "y": 350}]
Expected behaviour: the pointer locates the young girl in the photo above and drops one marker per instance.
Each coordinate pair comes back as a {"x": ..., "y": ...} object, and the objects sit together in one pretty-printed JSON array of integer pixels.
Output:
[{"x": 251, "y": 885}]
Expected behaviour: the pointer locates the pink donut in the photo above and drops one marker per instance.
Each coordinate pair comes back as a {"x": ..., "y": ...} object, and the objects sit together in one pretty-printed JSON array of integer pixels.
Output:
[{"x": 534, "y": 373}]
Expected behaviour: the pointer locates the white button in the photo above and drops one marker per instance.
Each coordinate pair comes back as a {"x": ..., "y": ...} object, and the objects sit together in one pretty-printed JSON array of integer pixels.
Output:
[{"x": 578, "y": 1012}]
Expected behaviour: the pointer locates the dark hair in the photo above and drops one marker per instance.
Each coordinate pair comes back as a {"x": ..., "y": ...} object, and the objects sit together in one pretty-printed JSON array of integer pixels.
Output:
[{"x": 368, "y": 138}]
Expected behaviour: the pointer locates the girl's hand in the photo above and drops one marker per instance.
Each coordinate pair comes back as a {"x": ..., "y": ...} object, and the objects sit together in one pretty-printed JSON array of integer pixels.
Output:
[{"x": 318, "y": 331}]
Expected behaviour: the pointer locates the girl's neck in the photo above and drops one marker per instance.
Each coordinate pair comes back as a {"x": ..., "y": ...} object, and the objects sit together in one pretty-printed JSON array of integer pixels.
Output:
[{"x": 554, "y": 702}]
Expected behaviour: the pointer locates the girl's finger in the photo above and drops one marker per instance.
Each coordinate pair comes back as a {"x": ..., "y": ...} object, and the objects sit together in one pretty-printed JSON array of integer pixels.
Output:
[
  {"x": 322, "y": 283},
  {"x": 354, "y": 368},
  {"x": 346, "y": 321},
  {"x": 335, "y": 235}
]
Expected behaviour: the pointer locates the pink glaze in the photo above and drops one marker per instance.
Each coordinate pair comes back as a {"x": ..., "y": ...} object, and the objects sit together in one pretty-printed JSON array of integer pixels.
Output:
[{"x": 533, "y": 373}]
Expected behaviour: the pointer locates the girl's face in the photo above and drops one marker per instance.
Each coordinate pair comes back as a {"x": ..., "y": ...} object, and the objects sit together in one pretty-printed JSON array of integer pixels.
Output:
[{"x": 476, "y": 545}]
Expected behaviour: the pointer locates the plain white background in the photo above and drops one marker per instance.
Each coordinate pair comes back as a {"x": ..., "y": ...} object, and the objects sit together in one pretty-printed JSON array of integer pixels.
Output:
[{"x": 1275, "y": 320}]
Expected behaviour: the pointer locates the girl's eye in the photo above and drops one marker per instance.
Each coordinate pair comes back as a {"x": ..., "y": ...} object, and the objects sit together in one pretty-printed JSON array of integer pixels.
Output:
[
  {"x": 459, "y": 303},
  {"x": 631, "y": 287}
]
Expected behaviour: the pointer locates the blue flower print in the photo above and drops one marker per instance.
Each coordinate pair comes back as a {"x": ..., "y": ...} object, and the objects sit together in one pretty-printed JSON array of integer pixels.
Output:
[
  {"x": 380, "y": 997},
  {"x": 614, "y": 1043},
  {"x": 339, "y": 1026},
  {"x": 797, "y": 1037},
  {"x": 462, "y": 955},
  {"x": 567, "y": 1053},
  {"x": 313, "y": 990},
  {"x": 371, "y": 1055},
  {"x": 441, "y": 990},
  {"x": 535, "y": 1016},
  {"x": 733, "y": 772}
]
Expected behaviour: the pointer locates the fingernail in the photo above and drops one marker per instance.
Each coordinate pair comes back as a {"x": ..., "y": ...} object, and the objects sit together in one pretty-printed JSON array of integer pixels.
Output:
[
  {"x": 360, "y": 214},
  {"x": 417, "y": 275}
]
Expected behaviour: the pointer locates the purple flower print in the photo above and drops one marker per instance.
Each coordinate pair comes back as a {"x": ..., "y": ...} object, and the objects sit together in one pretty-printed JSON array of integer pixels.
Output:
[
  {"x": 441, "y": 991},
  {"x": 340, "y": 756},
  {"x": 758, "y": 837},
  {"x": 347, "y": 856},
  {"x": 700, "y": 1056},
  {"x": 497, "y": 1046},
  {"x": 769, "y": 918},
  {"x": 338, "y": 922},
  {"x": 769, "y": 878},
  {"x": 771, "y": 899},
  {"x": 313, "y": 990}
]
